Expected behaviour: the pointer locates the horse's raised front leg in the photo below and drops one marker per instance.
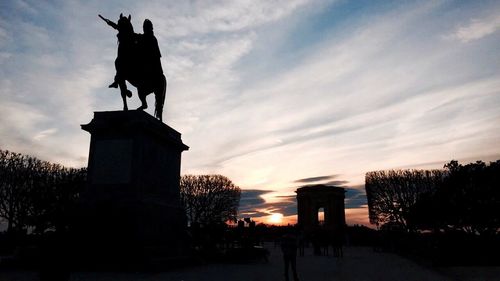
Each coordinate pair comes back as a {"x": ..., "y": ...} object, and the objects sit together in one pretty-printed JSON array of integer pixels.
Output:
[{"x": 142, "y": 97}]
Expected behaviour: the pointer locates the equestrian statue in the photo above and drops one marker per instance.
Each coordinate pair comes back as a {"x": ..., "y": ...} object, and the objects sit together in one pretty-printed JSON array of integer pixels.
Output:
[{"x": 138, "y": 62}]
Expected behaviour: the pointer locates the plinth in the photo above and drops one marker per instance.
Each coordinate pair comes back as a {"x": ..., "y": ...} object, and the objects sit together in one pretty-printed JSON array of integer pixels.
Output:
[{"x": 131, "y": 208}]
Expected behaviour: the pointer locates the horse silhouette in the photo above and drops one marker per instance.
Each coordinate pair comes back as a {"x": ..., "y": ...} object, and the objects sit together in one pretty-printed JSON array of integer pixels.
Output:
[{"x": 131, "y": 65}]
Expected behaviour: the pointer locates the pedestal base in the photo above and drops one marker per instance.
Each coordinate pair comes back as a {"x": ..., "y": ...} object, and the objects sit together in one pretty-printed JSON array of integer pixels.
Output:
[{"x": 131, "y": 210}]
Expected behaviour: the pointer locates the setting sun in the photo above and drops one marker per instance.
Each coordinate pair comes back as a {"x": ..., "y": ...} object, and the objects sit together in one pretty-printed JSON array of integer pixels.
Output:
[{"x": 275, "y": 218}]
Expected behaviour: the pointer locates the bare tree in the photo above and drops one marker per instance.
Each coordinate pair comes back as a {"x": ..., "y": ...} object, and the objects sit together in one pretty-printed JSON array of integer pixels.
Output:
[
  {"x": 392, "y": 194},
  {"x": 15, "y": 188},
  {"x": 209, "y": 198},
  {"x": 36, "y": 193}
]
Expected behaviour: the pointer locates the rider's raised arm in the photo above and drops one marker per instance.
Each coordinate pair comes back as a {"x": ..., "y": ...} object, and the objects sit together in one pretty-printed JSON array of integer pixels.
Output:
[{"x": 110, "y": 23}]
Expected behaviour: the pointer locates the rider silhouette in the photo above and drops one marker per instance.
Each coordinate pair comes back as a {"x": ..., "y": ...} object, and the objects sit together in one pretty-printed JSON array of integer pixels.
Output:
[
  {"x": 123, "y": 61},
  {"x": 150, "y": 52},
  {"x": 138, "y": 62},
  {"x": 146, "y": 55}
]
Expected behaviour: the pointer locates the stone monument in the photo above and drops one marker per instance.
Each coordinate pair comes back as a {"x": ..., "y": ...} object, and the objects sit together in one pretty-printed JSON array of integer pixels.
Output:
[
  {"x": 130, "y": 211},
  {"x": 131, "y": 206},
  {"x": 313, "y": 197}
]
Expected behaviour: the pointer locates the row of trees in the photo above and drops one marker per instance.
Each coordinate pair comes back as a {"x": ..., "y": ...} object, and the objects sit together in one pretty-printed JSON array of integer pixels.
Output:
[
  {"x": 36, "y": 194},
  {"x": 40, "y": 195},
  {"x": 460, "y": 197},
  {"x": 468, "y": 200}
]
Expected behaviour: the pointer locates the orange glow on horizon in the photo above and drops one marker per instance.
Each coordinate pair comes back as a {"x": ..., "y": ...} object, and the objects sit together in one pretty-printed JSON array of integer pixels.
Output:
[
  {"x": 276, "y": 219},
  {"x": 358, "y": 216},
  {"x": 353, "y": 216}
]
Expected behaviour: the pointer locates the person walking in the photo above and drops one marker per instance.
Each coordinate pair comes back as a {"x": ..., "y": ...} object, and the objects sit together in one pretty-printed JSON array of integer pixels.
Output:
[{"x": 289, "y": 249}]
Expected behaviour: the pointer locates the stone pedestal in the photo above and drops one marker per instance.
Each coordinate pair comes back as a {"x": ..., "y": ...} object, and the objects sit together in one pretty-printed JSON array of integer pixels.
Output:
[{"x": 131, "y": 207}]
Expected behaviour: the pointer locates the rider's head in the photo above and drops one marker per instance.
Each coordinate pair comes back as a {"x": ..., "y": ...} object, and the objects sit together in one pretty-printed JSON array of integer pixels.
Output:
[{"x": 147, "y": 27}]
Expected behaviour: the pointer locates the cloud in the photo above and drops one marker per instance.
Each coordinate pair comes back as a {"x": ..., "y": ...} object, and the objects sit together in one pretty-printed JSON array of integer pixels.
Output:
[
  {"x": 315, "y": 179},
  {"x": 286, "y": 208},
  {"x": 355, "y": 197},
  {"x": 252, "y": 203},
  {"x": 44, "y": 134},
  {"x": 476, "y": 29},
  {"x": 252, "y": 198},
  {"x": 337, "y": 182},
  {"x": 50, "y": 79},
  {"x": 3, "y": 35},
  {"x": 206, "y": 17},
  {"x": 365, "y": 100}
]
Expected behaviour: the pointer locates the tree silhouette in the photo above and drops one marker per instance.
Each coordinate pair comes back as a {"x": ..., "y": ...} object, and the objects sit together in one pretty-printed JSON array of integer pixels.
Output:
[
  {"x": 392, "y": 194},
  {"x": 468, "y": 200},
  {"x": 35, "y": 193},
  {"x": 209, "y": 198},
  {"x": 14, "y": 188},
  {"x": 55, "y": 196}
]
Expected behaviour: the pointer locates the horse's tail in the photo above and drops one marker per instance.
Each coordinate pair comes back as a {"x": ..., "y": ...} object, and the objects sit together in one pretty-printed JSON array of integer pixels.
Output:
[{"x": 160, "y": 98}]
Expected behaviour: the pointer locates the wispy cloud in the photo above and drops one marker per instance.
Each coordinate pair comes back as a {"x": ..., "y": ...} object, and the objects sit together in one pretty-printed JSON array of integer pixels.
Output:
[
  {"x": 337, "y": 182},
  {"x": 361, "y": 100},
  {"x": 315, "y": 179},
  {"x": 253, "y": 203},
  {"x": 355, "y": 197},
  {"x": 195, "y": 18},
  {"x": 44, "y": 134},
  {"x": 477, "y": 29}
]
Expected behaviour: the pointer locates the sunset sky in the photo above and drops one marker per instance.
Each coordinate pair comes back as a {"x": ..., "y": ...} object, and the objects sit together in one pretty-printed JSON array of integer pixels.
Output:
[{"x": 272, "y": 94}]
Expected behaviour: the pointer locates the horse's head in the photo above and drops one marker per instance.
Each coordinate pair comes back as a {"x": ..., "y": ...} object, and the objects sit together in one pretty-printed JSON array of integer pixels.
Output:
[{"x": 124, "y": 25}]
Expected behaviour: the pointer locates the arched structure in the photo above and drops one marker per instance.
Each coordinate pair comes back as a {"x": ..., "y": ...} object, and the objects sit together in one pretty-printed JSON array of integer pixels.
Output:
[{"x": 313, "y": 197}]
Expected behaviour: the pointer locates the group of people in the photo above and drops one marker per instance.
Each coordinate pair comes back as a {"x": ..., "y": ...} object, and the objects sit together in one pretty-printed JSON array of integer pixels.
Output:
[{"x": 291, "y": 243}]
